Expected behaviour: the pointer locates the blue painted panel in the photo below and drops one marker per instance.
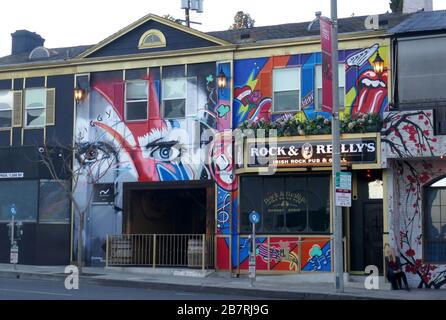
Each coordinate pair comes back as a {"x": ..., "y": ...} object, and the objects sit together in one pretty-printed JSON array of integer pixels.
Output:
[
  {"x": 5, "y": 84},
  {"x": 37, "y": 82},
  {"x": 62, "y": 132}
]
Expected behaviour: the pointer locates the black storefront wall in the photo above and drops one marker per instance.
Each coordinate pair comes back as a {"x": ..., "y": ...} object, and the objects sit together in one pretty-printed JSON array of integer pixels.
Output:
[{"x": 41, "y": 243}]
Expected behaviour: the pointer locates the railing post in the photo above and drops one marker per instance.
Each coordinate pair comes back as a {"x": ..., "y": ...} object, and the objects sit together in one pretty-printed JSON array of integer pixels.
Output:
[
  {"x": 344, "y": 240},
  {"x": 203, "y": 251},
  {"x": 106, "y": 251},
  {"x": 154, "y": 251},
  {"x": 299, "y": 259}
]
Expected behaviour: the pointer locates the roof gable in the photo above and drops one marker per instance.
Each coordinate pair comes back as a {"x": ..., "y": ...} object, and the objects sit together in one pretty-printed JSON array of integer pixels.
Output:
[{"x": 177, "y": 36}]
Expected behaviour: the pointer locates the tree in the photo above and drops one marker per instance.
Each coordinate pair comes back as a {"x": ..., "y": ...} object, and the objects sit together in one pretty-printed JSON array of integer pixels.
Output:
[
  {"x": 172, "y": 18},
  {"x": 84, "y": 164},
  {"x": 242, "y": 21},
  {"x": 396, "y": 6}
]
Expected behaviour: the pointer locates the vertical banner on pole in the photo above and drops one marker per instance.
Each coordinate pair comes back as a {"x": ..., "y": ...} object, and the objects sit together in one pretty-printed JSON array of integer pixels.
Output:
[{"x": 327, "y": 68}]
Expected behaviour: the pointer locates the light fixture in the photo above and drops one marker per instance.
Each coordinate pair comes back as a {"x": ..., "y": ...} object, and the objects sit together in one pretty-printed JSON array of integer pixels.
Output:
[
  {"x": 79, "y": 94},
  {"x": 221, "y": 80},
  {"x": 378, "y": 64}
]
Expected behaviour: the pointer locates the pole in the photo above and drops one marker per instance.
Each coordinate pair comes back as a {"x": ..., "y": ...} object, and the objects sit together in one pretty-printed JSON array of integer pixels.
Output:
[
  {"x": 252, "y": 260},
  {"x": 188, "y": 14},
  {"x": 12, "y": 230},
  {"x": 338, "y": 245}
]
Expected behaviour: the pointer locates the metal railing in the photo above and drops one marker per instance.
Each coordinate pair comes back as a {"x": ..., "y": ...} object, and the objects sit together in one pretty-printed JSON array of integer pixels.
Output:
[{"x": 160, "y": 250}]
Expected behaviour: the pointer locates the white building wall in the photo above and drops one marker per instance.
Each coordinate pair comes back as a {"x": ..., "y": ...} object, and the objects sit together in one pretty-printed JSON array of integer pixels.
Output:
[{"x": 417, "y": 5}]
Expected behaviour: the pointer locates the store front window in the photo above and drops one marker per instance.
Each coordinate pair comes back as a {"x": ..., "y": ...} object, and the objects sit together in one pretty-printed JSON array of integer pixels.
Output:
[
  {"x": 54, "y": 205},
  {"x": 23, "y": 196},
  {"x": 287, "y": 204},
  {"x": 435, "y": 222}
]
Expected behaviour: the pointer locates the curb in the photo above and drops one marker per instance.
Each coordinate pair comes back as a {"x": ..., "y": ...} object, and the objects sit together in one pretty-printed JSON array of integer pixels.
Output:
[{"x": 257, "y": 293}]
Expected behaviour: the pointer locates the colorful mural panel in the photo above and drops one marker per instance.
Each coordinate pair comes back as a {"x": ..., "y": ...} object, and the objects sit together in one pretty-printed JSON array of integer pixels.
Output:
[
  {"x": 365, "y": 90},
  {"x": 282, "y": 253}
]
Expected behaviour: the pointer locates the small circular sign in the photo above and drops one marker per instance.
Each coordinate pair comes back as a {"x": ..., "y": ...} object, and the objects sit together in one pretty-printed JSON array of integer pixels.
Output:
[
  {"x": 13, "y": 210},
  {"x": 254, "y": 217}
]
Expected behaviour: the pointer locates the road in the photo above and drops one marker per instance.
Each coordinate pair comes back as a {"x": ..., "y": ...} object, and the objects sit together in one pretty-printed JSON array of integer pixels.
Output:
[{"x": 19, "y": 289}]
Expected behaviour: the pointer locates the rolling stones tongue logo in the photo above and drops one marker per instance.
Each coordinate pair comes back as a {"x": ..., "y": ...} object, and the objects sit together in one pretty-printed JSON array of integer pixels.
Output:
[{"x": 372, "y": 91}]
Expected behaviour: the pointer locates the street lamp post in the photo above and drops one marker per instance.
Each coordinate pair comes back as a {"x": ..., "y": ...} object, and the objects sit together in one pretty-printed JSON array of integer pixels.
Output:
[{"x": 336, "y": 136}]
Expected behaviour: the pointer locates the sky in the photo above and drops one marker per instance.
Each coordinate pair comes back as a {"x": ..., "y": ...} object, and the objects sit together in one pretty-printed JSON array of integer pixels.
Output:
[{"x": 83, "y": 22}]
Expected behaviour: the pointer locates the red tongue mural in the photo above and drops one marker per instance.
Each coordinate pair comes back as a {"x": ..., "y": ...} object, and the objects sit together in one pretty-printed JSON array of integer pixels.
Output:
[{"x": 372, "y": 92}]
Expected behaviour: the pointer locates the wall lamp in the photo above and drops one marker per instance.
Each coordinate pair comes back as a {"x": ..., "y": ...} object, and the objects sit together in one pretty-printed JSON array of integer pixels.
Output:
[
  {"x": 222, "y": 80},
  {"x": 79, "y": 94},
  {"x": 378, "y": 64}
]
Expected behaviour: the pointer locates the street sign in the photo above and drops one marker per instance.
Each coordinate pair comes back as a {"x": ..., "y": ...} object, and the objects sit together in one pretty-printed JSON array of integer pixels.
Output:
[
  {"x": 343, "y": 189},
  {"x": 13, "y": 210},
  {"x": 254, "y": 217},
  {"x": 14, "y": 255}
]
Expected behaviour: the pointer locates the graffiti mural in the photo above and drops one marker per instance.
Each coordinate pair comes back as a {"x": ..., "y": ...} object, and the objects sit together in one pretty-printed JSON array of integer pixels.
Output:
[
  {"x": 291, "y": 254},
  {"x": 365, "y": 91},
  {"x": 408, "y": 138},
  {"x": 155, "y": 147}
]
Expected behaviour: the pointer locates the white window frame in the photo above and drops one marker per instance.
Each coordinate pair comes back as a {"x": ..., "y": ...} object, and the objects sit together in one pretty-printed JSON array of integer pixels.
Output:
[
  {"x": 26, "y": 108},
  {"x": 167, "y": 99},
  {"x": 318, "y": 84},
  {"x": 11, "y": 110},
  {"x": 142, "y": 100},
  {"x": 299, "y": 88}
]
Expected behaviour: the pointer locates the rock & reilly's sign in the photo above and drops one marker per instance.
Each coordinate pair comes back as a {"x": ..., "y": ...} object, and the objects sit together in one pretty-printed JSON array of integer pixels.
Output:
[{"x": 292, "y": 154}]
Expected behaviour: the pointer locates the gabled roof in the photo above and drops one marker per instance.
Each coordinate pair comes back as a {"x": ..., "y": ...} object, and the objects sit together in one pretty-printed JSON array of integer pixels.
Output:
[
  {"x": 56, "y": 54},
  {"x": 297, "y": 30},
  {"x": 145, "y": 19},
  {"x": 422, "y": 22},
  {"x": 227, "y": 37}
]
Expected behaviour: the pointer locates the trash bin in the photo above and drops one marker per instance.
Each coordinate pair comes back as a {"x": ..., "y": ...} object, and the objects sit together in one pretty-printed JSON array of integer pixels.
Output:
[
  {"x": 121, "y": 252},
  {"x": 195, "y": 253}
]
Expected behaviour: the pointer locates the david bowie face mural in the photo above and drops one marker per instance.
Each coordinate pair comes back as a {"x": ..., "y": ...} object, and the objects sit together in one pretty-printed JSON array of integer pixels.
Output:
[{"x": 156, "y": 149}]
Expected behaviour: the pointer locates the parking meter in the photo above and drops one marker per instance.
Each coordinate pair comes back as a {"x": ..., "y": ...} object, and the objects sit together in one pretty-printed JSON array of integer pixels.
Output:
[{"x": 18, "y": 231}]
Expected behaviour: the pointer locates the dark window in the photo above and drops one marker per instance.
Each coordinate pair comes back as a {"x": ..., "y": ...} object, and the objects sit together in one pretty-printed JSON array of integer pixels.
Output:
[
  {"x": 286, "y": 204},
  {"x": 174, "y": 97},
  {"x": 136, "y": 101},
  {"x": 54, "y": 205},
  {"x": 22, "y": 195},
  {"x": 435, "y": 223}
]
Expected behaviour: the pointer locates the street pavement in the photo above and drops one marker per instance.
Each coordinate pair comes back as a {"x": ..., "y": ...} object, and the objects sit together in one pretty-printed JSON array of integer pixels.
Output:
[
  {"x": 209, "y": 285},
  {"x": 19, "y": 289}
]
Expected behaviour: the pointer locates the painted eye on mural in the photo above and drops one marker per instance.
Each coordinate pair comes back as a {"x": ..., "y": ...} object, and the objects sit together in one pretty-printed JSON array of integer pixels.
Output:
[
  {"x": 92, "y": 153},
  {"x": 164, "y": 151}
]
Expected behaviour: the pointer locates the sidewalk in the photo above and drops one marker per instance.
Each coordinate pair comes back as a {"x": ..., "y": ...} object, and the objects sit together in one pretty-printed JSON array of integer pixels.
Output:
[{"x": 278, "y": 287}]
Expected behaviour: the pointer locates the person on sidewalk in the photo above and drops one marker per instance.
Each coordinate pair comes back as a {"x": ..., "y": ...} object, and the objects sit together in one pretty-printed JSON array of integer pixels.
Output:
[{"x": 395, "y": 273}]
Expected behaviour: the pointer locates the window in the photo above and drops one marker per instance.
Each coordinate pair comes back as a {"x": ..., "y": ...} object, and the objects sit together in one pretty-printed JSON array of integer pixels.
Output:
[
  {"x": 286, "y": 87},
  {"x": 136, "y": 100},
  {"x": 152, "y": 39},
  {"x": 6, "y": 102},
  {"x": 21, "y": 194},
  {"x": 35, "y": 107},
  {"x": 174, "y": 98},
  {"x": 54, "y": 205},
  {"x": 318, "y": 86},
  {"x": 286, "y": 204},
  {"x": 435, "y": 223}
]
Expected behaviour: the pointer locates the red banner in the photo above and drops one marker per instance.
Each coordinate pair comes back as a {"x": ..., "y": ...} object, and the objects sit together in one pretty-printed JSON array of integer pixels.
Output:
[{"x": 327, "y": 68}]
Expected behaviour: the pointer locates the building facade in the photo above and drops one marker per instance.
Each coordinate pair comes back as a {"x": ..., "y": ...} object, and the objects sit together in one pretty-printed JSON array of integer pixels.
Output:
[
  {"x": 157, "y": 128},
  {"x": 29, "y": 120},
  {"x": 414, "y": 149}
]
